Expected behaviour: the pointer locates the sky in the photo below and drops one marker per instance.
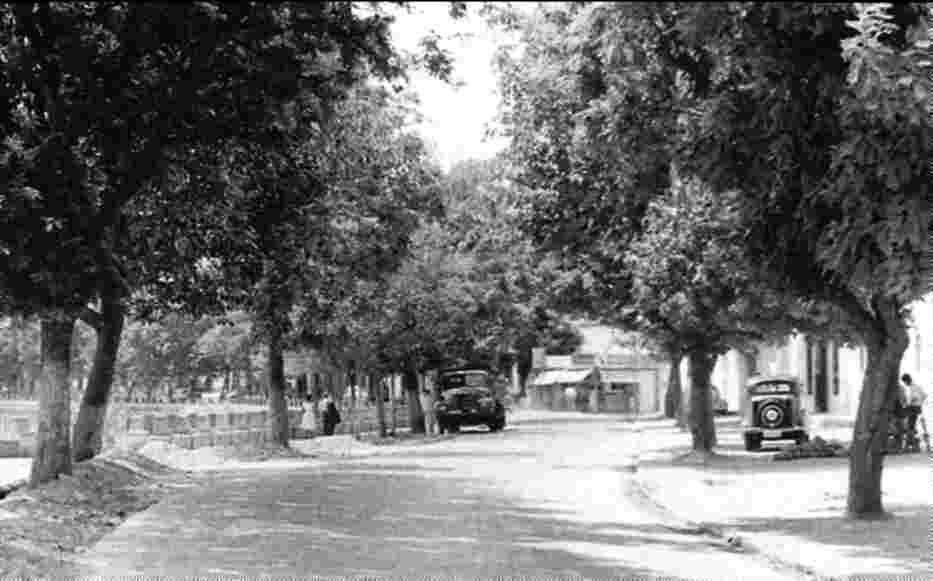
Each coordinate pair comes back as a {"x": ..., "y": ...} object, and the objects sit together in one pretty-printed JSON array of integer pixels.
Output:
[{"x": 456, "y": 117}]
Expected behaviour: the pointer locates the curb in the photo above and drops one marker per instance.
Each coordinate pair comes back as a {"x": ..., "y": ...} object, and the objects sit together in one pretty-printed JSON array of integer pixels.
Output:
[
  {"x": 10, "y": 487},
  {"x": 729, "y": 535}
]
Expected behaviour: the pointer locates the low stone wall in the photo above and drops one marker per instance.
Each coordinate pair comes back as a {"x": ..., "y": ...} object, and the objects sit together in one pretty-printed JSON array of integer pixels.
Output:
[
  {"x": 194, "y": 430},
  {"x": 17, "y": 429},
  {"x": 130, "y": 425},
  {"x": 363, "y": 420}
]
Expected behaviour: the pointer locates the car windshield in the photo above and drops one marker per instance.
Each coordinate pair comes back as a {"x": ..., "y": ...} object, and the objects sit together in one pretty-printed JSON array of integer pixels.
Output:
[
  {"x": 476, "y": 379},
  {"x": 474, "y": 392},
  {"x": 773, "y": 387}
]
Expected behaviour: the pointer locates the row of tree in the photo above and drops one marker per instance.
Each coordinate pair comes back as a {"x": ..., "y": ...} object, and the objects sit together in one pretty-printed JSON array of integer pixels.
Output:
[
  {"x": 164, "y": 166},
  {"x": 154, "y": 359},
  {"x": 468, "y": 290},
  {"x": 712, "y": 174},
  {"x": 194, "y": 159}
]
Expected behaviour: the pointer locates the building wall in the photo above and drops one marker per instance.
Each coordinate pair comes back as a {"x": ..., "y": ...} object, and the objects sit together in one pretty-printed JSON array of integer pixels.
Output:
[
  {"x": 650, "y": 389},
  {"x": 790, "y": 357},
  {"x": 918, "y": 361},
  {"x": 846, "y": 365}
]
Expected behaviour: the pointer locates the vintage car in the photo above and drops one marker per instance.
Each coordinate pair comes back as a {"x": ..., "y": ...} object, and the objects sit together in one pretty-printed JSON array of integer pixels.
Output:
[
  {"x": 467, "y": 398},
  {"x": 773, "y": 412}
]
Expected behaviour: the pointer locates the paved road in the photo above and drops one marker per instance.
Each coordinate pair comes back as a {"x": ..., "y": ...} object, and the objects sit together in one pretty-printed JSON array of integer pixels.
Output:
[{"x": 545, "y": 498}]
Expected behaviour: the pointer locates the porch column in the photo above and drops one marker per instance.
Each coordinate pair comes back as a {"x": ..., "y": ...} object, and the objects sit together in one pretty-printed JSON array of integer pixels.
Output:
[
  {"x": 516, "y": 380},
  {"x": 594, "y": 397}
]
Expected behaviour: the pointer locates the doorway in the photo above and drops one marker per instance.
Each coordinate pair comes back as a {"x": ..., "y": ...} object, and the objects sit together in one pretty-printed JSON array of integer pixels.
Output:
[{"x": 819, "y": 374}]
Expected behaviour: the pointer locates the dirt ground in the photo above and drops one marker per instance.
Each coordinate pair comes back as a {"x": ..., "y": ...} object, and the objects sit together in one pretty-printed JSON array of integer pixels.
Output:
[{"x": 41, "y": 527}]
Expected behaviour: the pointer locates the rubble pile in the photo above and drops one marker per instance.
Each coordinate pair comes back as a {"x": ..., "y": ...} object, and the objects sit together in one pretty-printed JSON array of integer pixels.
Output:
[{"x": 814, "y": 448}]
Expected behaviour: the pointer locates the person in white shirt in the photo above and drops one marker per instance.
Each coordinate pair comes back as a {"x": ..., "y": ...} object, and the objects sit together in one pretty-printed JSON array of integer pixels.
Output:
[
  {"x": 427, "y": 406},
  {"x": 914, "y": 396},
  {"x": 309, "y": 417}
]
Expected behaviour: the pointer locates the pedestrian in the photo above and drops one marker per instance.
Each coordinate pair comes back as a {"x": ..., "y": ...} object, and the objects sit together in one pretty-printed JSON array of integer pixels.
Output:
[
  {"x": 308, "y": 418},
  {"x": 427, "y": 406},
  {"x": 331, "y": 415},
  {"x": 898, "y": 421},
  {"x": 914, "y": 396}
]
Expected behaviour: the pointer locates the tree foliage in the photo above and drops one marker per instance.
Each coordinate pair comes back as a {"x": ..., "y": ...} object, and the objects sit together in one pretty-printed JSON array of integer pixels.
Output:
[
  {"x": 106, "y": 104},
  {"x": 815, "y": 115}
]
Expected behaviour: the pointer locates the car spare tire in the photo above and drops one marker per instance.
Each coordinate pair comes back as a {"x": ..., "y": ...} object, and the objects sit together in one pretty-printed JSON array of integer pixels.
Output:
[{"x": 772, "y": 414}]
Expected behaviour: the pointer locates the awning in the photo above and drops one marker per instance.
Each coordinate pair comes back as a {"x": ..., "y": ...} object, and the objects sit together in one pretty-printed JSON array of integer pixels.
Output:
[
  {"x": 618, "y": 376},
  {"x": 562, "y": 376}
]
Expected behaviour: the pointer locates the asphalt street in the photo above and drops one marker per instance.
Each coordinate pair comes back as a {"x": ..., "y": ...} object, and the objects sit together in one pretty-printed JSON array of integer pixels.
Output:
[{"x": 545, "y": 498}]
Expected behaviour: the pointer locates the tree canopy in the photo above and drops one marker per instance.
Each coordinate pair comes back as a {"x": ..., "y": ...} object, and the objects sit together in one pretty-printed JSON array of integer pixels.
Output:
[{"x": 812, "y": 118}]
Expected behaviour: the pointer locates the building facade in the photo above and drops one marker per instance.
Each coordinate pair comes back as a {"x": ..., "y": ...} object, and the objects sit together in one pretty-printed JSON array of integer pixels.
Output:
[
  {"x": 610, "y": 372},
  {"x": 831, "y": 374}
]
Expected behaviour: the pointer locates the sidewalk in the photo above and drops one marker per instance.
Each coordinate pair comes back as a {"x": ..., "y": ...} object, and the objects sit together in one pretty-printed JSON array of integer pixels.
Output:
[
  {"x": 793, "y": 512},
  {"x": 14, "y": 469}
]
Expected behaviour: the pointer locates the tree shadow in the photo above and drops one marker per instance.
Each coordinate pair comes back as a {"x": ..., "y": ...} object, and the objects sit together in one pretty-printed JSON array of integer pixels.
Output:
[
  {"x": 896, "y": 546},
  {"x": 380, "y": 520}
]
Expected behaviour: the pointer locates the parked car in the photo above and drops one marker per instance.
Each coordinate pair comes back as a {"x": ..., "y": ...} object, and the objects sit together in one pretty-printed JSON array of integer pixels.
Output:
[
  {"x": 774, "y": 411},
  {"x": 467, "y": 398}
]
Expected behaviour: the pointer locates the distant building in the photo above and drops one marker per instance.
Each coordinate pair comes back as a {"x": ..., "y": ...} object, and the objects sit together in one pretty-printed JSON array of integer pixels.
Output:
[{"x": 610, "y": 372}]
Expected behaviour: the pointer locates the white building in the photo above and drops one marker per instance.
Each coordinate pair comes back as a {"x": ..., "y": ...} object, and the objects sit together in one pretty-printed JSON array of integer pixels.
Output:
[
  {"x": 610, "y": 372},
  {"x": 831, "y": 375}
]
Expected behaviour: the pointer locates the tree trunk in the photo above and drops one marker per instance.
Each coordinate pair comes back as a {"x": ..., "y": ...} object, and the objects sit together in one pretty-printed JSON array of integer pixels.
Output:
[
  {"x": 674, "y": 396},
  {"x": 380, "y": 404},
  {"x": 879, "y": 388},
  {"x": 415, "y": 415},
  {"x": 89, "y": 428},
  {"x": 16, "y": 376},
  {"x": 392, "y": 400},
  {"x": 278, "y": 410},
  {"x": 700, "y": 418},
  {"x": 53, "y": 437}
]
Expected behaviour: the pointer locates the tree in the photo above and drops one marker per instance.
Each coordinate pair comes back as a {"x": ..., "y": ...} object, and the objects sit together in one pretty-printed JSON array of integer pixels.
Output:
[
  {"x": 594, "y": 116},
  {"x": 694, "y": 295},
  {"x": 598, "y": 105},
  {"x": 327, "y": 206},
  {"x": 81, "y": 150},
  {"x": 470, "y": 292},
  {"x": 830, "y": 150},
  {"x": 19, "y": 356},
  {"x": 484, "y": 217}
]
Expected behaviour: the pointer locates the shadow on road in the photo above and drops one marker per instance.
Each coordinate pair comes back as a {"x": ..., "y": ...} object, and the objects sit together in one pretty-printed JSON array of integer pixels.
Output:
[
  {"x": 379, "y": 520},
  {"x": 860, "y": 545}
]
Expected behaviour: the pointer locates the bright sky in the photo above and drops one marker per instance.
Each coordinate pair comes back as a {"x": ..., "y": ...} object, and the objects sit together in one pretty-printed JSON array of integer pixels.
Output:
[{"x": 456, "y": 118}]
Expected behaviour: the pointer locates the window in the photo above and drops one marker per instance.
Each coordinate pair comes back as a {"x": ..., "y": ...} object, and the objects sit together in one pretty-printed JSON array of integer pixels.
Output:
[{"x": 626, "y": 387}]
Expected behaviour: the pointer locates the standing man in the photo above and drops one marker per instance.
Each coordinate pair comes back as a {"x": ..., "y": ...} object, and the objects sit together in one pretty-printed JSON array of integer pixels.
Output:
[
  {"x": 427, "y": 406},
  {"x": 331, "y": 415},
  {"x": 914, "y": 396}
]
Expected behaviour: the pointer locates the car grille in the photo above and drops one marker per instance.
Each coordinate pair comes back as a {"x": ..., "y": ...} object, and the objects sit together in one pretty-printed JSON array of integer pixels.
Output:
[{"x": 466, "y": 402}]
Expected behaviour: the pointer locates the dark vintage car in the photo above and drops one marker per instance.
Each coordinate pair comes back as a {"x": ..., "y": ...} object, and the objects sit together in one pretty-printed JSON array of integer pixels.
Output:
[
  {"x": 467, "y": 398},
  {"x": 774, "y": 411}
]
